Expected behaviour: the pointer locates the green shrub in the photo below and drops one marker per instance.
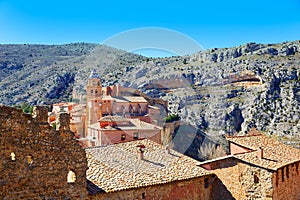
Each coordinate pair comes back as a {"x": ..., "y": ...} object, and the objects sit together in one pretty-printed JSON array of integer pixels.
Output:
[{"x": 172, "y": 118}]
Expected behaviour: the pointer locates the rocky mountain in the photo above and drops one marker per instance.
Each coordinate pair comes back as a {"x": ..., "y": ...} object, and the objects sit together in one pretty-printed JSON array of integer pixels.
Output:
[
  {"x": 45, "y": 74},
  {"x": 218, "y": 90}
]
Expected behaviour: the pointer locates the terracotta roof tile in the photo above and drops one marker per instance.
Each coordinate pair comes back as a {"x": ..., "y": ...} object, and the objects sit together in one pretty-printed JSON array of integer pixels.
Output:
[
  {"x": 135, "y": 99},
  {"x": 119, "y": 167},
  {"x": 275, "y": 154}
]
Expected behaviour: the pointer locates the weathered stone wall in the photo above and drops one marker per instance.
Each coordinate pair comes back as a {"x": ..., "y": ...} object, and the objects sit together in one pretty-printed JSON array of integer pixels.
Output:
[
  {"x": 114, "y": 137},
  {"x": 168, "y": 131},
  {"x": 238, "y": 180},
  {"x": 286, "y": 182},
  {"x": 196, "y": 188},
  {"x": 35, "y": 159}
]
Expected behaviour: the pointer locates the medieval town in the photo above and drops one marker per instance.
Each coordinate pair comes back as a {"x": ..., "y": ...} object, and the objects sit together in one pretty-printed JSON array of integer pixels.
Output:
[{"x": 115, "y": 146}]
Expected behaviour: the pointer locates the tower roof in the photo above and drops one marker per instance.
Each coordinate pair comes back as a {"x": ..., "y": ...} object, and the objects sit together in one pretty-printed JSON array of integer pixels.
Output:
[{"x": 94, "y": 74}]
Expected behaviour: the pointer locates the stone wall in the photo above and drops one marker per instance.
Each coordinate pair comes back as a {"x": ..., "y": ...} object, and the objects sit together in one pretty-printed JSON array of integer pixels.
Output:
[
  {"x": 196, "y": 188},
  {"x": 286, "y": 182},
  {"x": 35, "y": 159},
  {"x": 168, "y": 131},
  {"x": 114, "y": 136},
  {"x": 239, "y": 180}
]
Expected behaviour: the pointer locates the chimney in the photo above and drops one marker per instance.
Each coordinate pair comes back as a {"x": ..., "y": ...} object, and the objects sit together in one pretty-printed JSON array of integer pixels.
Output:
[
  {"x": 260, "y": 153},
  {"x": 142, "y": 150}
]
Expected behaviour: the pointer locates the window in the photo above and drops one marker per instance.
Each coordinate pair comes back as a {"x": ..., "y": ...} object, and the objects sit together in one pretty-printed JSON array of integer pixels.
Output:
[
  {"x": 143, "y": 195},
  {"x": 29, "y": 160},
  {"x": 206, "y": 182},
  {"x": 13, "y": 156},
  {"x": 256, "y": 179},
  {"x": 135, "y": 136},
  {"x": 123, "y": 137},
  {"x": 92, "y": 91},
  {"x": 96, "y": 91},
  {"x": 71, "y": 177}
]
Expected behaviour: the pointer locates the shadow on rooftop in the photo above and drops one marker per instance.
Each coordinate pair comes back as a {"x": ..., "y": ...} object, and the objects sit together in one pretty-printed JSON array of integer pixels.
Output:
[{"x": 155, "y": 163}]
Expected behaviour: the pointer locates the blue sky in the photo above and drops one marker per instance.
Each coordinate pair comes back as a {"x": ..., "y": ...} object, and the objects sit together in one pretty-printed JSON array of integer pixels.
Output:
[{"x": 210, "y": 23}]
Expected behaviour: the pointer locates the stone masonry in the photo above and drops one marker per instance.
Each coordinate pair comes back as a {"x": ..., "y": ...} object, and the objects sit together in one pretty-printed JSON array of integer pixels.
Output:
[{"x": 36, "y": 160}]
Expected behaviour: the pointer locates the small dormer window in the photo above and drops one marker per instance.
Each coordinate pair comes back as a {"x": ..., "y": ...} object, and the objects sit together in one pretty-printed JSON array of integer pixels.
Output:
[{"x": 135, "y": 136}]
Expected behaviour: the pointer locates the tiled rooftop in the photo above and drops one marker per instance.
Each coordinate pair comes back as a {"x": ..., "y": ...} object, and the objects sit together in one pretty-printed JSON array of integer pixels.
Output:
[
  {"x": 118, "y": 167},
  {"x": 135, "y": 124},
  {"x": 275, "y": 154},
  {"x": 144, "y": 125},
  {"x": 135, "y": 99},
  {"x": 114, "y": 118},
  {"x": 116, "y": 99}
]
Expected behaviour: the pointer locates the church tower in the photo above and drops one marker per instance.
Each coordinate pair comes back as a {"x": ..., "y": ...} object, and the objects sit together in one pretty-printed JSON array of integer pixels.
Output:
[
  {"x": 93, "y": 88},
  {"x": 93, "y": 99}
]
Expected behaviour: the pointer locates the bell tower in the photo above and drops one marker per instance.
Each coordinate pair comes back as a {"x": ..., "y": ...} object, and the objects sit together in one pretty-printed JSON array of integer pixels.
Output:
[
  {"x": 93, "y": 88},
  {"x": 93, "y": 100}
]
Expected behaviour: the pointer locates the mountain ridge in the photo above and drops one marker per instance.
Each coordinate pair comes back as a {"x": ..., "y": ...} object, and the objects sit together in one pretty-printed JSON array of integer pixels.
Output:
[{"x": 207, "y": 89}]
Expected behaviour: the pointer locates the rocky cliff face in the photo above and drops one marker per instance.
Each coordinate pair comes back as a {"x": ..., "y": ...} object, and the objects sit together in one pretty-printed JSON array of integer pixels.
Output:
[
  {"x": 229, "y": 90},
  {"x": 218, "y": 91}
]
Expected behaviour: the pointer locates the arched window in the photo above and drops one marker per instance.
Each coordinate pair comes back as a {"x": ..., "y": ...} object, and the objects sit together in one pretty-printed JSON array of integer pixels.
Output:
[
  {"x": 71, "y": 177},
  {"x": 143, "y": 195}
]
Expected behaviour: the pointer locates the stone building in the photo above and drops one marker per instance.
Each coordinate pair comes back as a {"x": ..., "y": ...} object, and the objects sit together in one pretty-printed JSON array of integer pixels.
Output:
[
  {"x": 116, "y": 129},
  {"x": 143, "y": 169},
  {"x": 37, "y": 161},
  {"x": 111, "y": 100},
  {"x": 40, "y": 162},
  {"x": 259, "y": 167},
  {"x": 107, "y": 101},
  {"x": 77, "y": 116}
]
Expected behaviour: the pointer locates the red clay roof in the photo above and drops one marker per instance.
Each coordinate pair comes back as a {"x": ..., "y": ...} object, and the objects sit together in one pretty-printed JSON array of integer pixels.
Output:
[{"x": 275, "y": 154}]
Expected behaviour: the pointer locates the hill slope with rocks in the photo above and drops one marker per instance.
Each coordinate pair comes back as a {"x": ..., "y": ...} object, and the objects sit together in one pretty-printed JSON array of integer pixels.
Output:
[
  {"x": 45, "y": 74},
  {"x": 218, "y": 90},
  {"x": 229, "y": 90}
]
